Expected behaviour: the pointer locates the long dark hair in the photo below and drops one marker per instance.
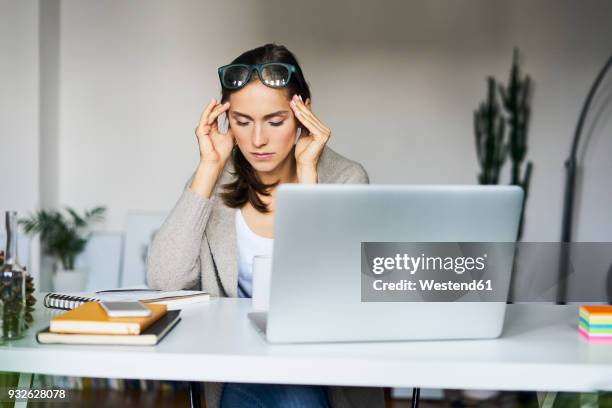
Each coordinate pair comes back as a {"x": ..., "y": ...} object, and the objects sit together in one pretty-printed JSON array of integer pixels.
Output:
[{"x": 247, "y": 185}]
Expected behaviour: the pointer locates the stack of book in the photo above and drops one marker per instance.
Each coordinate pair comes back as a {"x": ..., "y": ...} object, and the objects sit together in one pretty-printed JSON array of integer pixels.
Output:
[
  {"x": 89, "y": 324},
  {"x": 595, "y": 322}
]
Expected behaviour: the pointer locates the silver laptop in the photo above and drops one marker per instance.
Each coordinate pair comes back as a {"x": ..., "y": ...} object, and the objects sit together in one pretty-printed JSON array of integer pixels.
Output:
[{"x": 315, "y": 292}]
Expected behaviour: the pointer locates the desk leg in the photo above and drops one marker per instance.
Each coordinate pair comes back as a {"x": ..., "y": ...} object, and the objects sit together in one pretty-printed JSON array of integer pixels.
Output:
[
  {"x": 416, "y": 396},
  {"x": 546, "y": 399},
  {"x": 194, "y": 395},
  {"x": 25, "y": 383}
]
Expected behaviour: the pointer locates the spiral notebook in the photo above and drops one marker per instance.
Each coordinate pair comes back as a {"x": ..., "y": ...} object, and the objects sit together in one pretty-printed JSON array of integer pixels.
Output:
[{"x": 174, "y": 300}]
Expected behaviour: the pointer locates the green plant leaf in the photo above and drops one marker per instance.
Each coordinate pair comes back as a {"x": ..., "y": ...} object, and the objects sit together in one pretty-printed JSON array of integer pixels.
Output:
[{"x": 63, "y": 238}]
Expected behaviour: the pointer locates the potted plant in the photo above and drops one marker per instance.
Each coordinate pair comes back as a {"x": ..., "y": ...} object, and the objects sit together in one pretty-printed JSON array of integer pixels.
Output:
[{"x": 64, "y": 237}]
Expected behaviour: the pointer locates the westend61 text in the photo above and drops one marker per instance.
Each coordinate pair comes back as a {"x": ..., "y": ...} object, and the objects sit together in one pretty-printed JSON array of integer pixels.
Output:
[{"x": 429, "y": 284}]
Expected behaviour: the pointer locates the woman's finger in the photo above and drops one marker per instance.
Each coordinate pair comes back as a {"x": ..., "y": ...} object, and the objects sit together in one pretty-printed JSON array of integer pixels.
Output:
[
  {"x": 204, "y": 117},
  {"x": 306, "y": 121},
  {"x": 311, "y": 148},
  {"x": 307, "y": 111},
  {"x": 204, "y": 141},
  {"x": 316, "y": 130},
  {"x": 301, "y": 107},
  {"x": 213, "y": 128},
  {"x": 202, "y": 130},
  {"x": 219, "y": 109},
  {"x": 302, "y": 113}
]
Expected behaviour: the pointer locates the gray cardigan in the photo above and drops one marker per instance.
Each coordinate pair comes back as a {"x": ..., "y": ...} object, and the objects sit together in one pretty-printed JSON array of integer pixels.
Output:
[{"x": 196, "y": 248}]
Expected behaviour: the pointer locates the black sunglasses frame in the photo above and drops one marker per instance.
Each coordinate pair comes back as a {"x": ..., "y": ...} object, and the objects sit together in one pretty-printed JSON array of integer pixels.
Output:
[{"x": 291, "y": 69}]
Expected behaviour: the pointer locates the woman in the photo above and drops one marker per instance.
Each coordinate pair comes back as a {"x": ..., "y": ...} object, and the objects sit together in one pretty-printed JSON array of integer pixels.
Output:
[{"x": 225, "y": 215}]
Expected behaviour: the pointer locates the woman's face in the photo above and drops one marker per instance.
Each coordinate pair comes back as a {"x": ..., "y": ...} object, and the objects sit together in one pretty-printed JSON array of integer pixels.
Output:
[{"x": 263, "y": 124}]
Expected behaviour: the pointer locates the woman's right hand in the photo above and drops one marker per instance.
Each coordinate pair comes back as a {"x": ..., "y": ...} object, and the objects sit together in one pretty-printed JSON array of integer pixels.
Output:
[{"x": 215, "y": 147}]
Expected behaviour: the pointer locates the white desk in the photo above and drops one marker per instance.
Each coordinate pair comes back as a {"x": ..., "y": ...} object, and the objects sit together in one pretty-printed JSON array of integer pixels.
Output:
[{"x": 539, "y": 350}]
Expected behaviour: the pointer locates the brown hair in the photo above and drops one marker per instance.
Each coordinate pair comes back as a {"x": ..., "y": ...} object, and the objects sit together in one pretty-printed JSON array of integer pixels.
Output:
[{"x": 247, "y": 185}]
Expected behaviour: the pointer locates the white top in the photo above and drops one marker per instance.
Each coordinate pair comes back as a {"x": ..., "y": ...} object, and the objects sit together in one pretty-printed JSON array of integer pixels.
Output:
[
  {"x": 249, "y": 245},
  {"x": 215, "y": 341}
]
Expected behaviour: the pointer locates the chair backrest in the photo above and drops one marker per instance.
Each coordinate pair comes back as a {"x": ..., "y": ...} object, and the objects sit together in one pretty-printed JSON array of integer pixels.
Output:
[
  {"x": 101, "y": 260},
  {"x": 141, "y": 226}
]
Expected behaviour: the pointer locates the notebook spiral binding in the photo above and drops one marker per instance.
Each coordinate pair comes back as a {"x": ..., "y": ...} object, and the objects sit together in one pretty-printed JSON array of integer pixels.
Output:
[{"x": 65, "y": 302}]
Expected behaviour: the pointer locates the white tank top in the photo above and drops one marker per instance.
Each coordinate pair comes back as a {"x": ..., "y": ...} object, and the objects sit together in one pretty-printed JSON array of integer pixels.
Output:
[{"x": 249, "y": 245}]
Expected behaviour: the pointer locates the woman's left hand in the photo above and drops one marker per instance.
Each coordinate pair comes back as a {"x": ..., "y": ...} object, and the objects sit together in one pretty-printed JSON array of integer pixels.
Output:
[{"x": 309, "y": 146}]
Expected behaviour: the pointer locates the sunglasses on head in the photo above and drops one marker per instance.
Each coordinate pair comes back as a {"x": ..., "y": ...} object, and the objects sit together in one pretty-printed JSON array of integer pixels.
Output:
[{"x": 272, "y": 74}]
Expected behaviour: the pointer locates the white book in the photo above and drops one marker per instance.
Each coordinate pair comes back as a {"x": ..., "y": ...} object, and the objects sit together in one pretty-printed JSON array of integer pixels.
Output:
[{"x": 174, "y": 300}]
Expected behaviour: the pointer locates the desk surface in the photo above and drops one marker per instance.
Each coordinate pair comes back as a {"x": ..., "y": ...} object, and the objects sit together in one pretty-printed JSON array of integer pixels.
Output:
[{"x": 540, "y": 349}]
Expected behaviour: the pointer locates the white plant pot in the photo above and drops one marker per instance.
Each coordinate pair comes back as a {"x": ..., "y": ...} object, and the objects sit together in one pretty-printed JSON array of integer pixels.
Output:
[{"x": 69, "y": 280}]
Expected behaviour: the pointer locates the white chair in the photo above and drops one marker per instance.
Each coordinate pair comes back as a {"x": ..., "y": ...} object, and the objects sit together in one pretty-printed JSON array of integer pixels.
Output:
[
  {"x": 141, "y": 226},
  {"x": 102, "y": 260}
]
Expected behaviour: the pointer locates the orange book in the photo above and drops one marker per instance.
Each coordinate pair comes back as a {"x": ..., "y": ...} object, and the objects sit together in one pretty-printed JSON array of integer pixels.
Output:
[{"x": 90, "y": 318}]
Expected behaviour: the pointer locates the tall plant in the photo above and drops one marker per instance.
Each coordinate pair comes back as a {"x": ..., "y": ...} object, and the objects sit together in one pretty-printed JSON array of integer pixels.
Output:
[
  {"x": 490, "y": 130},
  {"x": 516, "y": 97},
  {"x": 63, "y": 237},
  {"x": 494, "y": 140}
]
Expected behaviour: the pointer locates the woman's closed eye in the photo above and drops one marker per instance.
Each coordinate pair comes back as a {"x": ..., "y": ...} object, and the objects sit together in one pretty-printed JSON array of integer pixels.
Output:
[{"x": 272, "y": 123}]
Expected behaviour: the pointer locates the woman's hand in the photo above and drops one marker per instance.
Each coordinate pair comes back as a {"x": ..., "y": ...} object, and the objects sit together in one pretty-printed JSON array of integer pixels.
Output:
[
  {"x": 215, "y": 147},
  {"x": 309, "y": 146}
]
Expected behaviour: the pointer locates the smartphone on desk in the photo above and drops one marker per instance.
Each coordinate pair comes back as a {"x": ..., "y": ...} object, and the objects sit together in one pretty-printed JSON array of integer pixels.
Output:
[{"x": 125, "y": 309}]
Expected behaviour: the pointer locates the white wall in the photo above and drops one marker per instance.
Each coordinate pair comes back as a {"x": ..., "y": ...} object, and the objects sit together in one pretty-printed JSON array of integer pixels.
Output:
[
  {"x": 19, "y": 113},
  {"x": 18, "y": 105},
  {"x": 135, "y": 76}
]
